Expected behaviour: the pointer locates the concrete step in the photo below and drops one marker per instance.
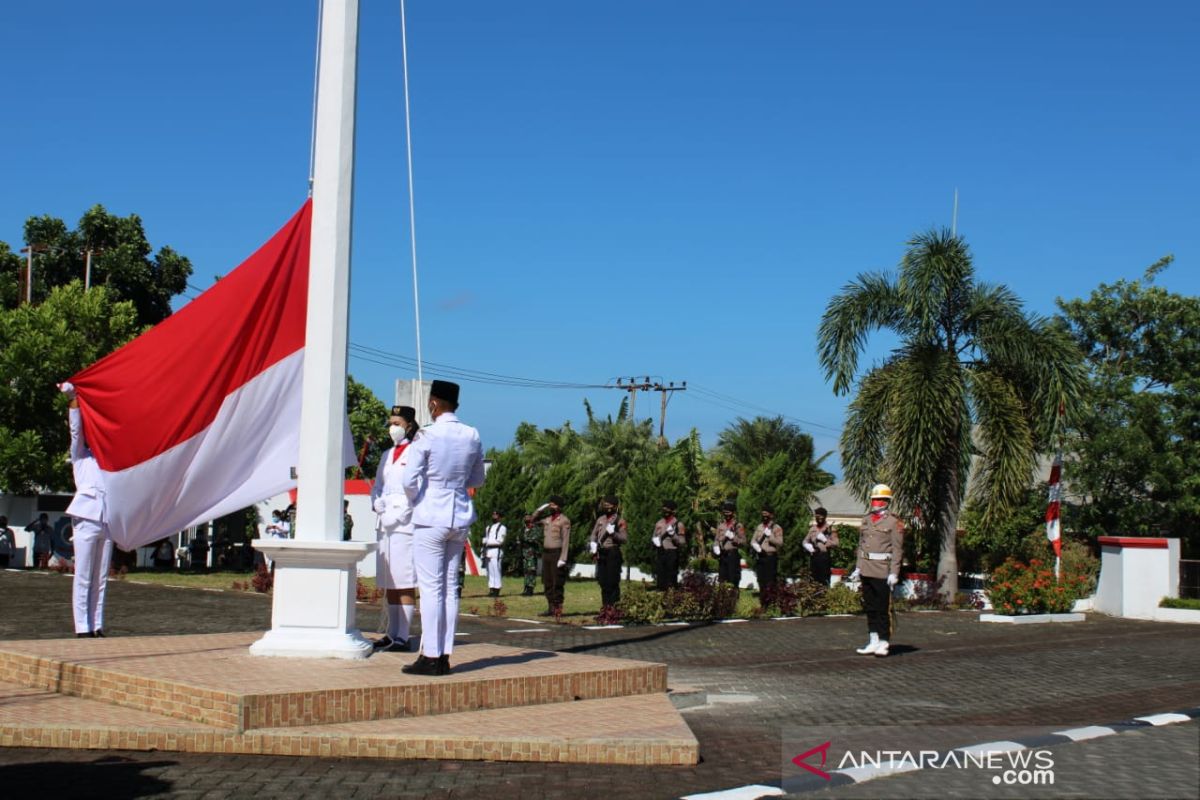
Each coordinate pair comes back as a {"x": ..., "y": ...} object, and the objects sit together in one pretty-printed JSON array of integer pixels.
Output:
[
  {"x": 639, "y": 729},
  {"x": 212, "y": 679}
]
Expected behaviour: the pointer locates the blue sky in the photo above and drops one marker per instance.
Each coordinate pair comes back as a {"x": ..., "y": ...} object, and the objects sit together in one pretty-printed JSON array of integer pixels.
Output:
[{"x": 668, "y": 188}]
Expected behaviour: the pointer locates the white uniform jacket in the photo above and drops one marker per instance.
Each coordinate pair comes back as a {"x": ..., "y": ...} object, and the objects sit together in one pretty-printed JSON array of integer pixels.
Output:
[
  {"x": 493, "y": 538},
  {"x": 394, "y": 512},
  {"x": 449, "y": 455},
  {"x": 89, "y": 483}
]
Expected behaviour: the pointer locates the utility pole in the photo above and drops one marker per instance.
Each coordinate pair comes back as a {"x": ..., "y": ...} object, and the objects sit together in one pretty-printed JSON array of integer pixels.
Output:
[
  {"x": 29, "y": 251},
  {"x": 633, "y": 387},
  {"x": 662, "y": 414}
]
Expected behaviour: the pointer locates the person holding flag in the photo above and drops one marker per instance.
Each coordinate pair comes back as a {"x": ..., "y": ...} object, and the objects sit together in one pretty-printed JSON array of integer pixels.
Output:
[
  {"x": 89, "y": 520},
  {"x": 442, "y": 464},
  {"x": 880, "y": 554},
  {"x": 395, "y": 570}
]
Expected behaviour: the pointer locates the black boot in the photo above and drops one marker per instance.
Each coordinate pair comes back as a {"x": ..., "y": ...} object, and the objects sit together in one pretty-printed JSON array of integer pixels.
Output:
[
  {"x": 84, "y": 636},
  {"x": 443, "y": 665},
  {"x": 423, "y": 666},
  {"x": 98, "y": 633},
  {"x": 528, "y": 592}
]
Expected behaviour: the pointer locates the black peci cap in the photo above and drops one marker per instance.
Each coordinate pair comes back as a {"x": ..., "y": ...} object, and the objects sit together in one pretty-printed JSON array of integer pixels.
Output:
[
  {"x": 445, "y": 390},
  {"x": 404, "y": 412}
]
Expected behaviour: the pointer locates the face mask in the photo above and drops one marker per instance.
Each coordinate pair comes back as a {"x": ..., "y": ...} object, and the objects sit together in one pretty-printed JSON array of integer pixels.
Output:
[
  {"x": 878, "y": 505},
  {"x": 397, "y": 433}
]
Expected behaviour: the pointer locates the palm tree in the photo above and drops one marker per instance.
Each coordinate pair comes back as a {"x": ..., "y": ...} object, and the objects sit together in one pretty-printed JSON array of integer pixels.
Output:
[
  {"x": 746, "y": 444},
  {"x": 972, "y": 374}
]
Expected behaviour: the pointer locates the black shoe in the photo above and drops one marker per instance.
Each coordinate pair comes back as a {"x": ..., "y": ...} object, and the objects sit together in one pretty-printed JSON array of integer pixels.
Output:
[
  {"x": 85, "y": 635},
  {"x": 547, "y": 613},
  {"x": 382, "y": 643},
  {"x": 443, "y": 665},
  {"x": 396, "y": 646},
  {"x": 527, "y": 593},
  {"x": 98, "y": 633},
  {"x": 422, "y": 666}
]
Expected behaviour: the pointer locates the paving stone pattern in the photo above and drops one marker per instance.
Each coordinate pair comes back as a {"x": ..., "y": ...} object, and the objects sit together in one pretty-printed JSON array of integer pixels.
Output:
[{"x": 945, "y": 668}]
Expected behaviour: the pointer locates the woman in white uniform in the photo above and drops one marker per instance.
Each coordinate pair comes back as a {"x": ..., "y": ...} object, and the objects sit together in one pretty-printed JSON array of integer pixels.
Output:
[{"x": 394, "y": 570}]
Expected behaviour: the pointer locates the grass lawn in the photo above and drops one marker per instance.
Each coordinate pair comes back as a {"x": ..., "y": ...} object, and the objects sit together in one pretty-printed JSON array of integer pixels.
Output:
[
  {"x": 581, "y": 600},
  {"x": 190, "y": 580}
]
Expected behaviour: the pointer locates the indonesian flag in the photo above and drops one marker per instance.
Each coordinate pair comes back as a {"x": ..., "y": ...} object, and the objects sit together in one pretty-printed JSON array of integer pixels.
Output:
[
  {"x": 1053, "y": 510},
  {"x": 200, "y": 415},
  {"x": 471, "y": 564}
]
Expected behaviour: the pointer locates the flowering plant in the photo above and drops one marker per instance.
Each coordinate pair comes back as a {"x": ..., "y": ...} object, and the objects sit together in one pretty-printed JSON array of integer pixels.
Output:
[{"x": 1019, "y": 588}]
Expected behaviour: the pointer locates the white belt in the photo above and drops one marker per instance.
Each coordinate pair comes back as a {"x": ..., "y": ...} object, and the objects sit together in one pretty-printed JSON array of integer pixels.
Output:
[{"x": 879, "y": 556}]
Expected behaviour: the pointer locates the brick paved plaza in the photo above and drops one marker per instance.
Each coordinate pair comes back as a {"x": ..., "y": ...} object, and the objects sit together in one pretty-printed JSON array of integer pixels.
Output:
[{"x": 746, "y": 684}]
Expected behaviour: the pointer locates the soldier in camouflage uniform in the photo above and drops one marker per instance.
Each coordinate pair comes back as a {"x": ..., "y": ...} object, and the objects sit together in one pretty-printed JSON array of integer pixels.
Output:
[{"x": 531, "y": 554}]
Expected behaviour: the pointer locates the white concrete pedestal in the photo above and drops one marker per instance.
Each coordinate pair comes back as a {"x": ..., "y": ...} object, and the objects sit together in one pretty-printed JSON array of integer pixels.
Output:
[
  {"x": 1136, "y": 572},
  {"x": 312, "y": 611}
]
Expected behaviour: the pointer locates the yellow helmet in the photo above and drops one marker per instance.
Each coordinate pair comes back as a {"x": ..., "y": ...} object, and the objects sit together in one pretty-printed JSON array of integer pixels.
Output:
[{"x": 881, "y": 491}]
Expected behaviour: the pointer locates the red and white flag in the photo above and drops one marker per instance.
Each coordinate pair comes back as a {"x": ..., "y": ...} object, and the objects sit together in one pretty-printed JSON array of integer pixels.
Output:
[
  {"x": 1054, "y": 509},
  {"x": 200, "y": 415}
]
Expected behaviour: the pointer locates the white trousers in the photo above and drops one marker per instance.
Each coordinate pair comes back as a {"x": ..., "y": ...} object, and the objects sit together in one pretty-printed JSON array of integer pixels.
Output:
[
  {"x": 93, "y": 552},
  {"x": 436, "y": 554},
  {"x": 493, "y": 568}
]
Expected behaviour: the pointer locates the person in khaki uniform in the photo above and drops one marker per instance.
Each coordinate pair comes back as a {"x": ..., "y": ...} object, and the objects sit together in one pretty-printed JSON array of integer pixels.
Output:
[
  {"x": 669, "y": 539},
  {"x": 608, "y": 534},
  {"x": 820, "y": 538},
  {"x": 880, "y": 552},
  {"x": 767, "y": 542},
  {"x": 731, "y": 535},
  {"x": 556, "y": 544}
]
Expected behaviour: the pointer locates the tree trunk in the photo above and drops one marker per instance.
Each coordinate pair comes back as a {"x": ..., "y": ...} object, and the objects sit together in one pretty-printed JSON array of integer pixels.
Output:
[{"x": 947, "y": 517}]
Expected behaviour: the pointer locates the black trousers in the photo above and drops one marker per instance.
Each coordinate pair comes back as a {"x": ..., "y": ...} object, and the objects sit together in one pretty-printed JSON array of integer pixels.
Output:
[
  {"x": 820, "y": 567},
  {"x": 729, "y": 567},
  {"x": 668, "y": 568},
  {"x": 767, "y": 570},
  {"x": 608, "y": 573},
  {"x": 877, "y": 599},
  {"x": 554, "y": 577}
]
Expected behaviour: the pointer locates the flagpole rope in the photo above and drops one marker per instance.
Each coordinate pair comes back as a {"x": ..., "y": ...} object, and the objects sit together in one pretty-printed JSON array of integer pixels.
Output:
[
  {"x": 412, "y": 213},
  {"x": 312, "y": 139}
]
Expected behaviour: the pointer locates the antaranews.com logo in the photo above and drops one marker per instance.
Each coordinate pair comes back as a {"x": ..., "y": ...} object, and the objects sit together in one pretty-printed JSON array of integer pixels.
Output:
[{"x": 1007, "y": 767}]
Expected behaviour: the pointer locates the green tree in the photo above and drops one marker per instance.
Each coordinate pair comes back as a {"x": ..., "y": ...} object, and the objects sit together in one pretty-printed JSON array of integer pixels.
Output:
[
  {"x": 368, "y": 425},
  {"x": 664, "y": 478},
  {"x": 507, "y": 490},
  {"x": 123, "y": 261},
  {"x": 41, "y": 345},
  {"x": 1136, "y": 464},
  {"x": 972, "y": 373},
  {"x": 744, "y": 446},
  {"x": 788, "y": 487}
]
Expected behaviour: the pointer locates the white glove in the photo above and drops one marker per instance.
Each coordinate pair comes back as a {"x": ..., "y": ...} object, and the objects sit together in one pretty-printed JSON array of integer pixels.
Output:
[
  {"x": 729, "y": 534},
  {"x": 378, "y": 506},
  {"x": 808, "y": 546},
  {"x": 611, "y": 528},
  {"x": 822, "y": 538},
  {"x": 67, "y": 388},
  {"x": 757, "y": 547},
  {"x": 892, "y": 579},
  {"x": 855, "y": 575},
  {"x": 716, "y": 549},
  {"x": 594, "y": 547},
  {"x": 561, "y": 564},
  {"x": 657, "y": 541}
]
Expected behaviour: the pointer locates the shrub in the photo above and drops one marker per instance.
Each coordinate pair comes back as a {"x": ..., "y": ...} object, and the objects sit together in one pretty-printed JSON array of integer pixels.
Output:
[
  {"x": 609, "y": 615},
  {"x": 702, "y": 564},
  {"x": 1019, "y": 588},
  {"x": 365, "y": 594},
  {"x": 640, "y": 606},
  {"x": 1189, "y": 603},
  {"x": 801, "y": 597},
  {"x": 263, "y": 581},
  {"x": 499, "y": 608},
  {"x": 845, "y": 554},
  {"x": 699, "y": 597},
  {"x": 841, "y": 599}
]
